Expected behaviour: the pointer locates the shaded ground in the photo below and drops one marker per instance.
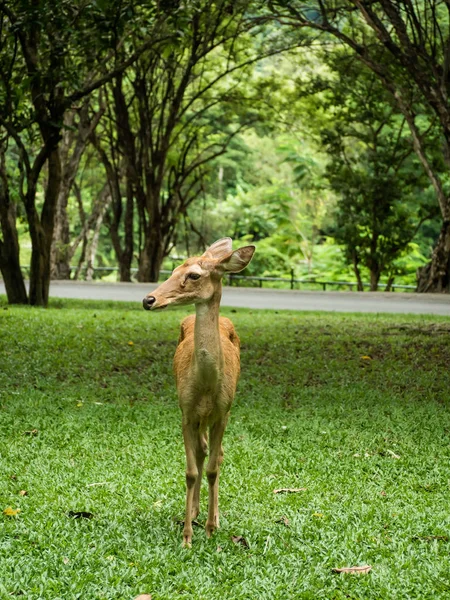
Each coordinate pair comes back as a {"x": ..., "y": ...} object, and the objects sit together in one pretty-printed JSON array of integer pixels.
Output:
[{"x": 354, "y": 408}]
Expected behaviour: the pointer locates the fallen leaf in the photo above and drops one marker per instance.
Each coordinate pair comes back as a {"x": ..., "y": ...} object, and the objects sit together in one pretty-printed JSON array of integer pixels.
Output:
[
  {"x": 366, "y": 357},
  {"x": 430, "y": 538},
  {"x": 66, "y": 560},
  {"x": 193, "y": 522},
  {"x": 11, "y": 512},
  {"x": 131, "y": 343},
  {"x": 143, "y": 597},
  {"x": 80, "y": 514},
  {"x": 23, "y": 493},
  {"x": 239, "y": 539},
  {"x": 79, "y": 405},
  {"x": 99, "y": 483},
  {"x": 283, "y": 520},
  {"x": 219, "y": 549},
  {"x": 31, "y": 432},
  {"x": 393, "y": 454},
  {"x": 383, "y": 493},
  {"x": 358, "y": 570},
  {"x": 318, "y": 515},
  {"x": 289, "y": 490}
]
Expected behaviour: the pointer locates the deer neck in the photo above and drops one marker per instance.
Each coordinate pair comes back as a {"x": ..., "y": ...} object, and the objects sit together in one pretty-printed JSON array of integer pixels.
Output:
[{"x": 208, "y": 350}]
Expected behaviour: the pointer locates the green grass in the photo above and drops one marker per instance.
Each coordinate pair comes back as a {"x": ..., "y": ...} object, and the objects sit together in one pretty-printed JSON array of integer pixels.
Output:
[{"x": 310, "y": 412}]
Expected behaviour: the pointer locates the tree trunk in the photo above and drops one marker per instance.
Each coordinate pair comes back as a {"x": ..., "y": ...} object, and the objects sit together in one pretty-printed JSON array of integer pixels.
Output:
[
  {"x": 9, "y": 256},
  {"x": 91, "y": 250},
  {"x": 151, "y": 257},
  {"x": 435, "y": 276},
  {"x": 374, "y": 279},
  {"x": 127, "y": 253},
  {"x": 60, "y": 267},
  {"x": 71, "y": 150},
  {"x": 41, "y": 232},
  {"x": 390, "y": 283},
  {"x": 9, "y": 246},
  {"x": 360, "y": 286}
]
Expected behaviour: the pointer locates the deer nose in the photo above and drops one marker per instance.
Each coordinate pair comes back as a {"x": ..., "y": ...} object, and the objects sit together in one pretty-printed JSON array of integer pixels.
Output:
[{"x": 148, "y": 302}]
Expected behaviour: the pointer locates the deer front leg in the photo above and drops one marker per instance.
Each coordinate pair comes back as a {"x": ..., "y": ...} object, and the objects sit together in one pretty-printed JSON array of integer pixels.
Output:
[
  {"x": 212, "y": 472},
  {"x": 200, "y": 455},
  {"x": 190, "y": 438}
]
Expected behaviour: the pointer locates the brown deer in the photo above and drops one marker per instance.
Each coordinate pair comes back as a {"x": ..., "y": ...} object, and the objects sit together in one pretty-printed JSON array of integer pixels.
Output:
[{"x": 206, "y": 366}]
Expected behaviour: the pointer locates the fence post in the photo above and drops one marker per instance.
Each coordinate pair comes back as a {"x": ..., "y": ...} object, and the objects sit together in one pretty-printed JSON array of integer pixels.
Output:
[{"x": 292, "y": 278}]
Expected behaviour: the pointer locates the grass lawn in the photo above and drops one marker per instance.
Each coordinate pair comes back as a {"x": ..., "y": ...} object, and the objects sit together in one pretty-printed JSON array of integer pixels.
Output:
[{"x": 354, "y": 408}]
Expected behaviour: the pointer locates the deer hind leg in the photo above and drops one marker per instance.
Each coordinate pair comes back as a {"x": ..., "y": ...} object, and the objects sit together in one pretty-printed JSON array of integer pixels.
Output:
[
  {"x": 190, "y": 436},
  {"x": 200, "y": 454},
  {"x": 212, "y": 471}
]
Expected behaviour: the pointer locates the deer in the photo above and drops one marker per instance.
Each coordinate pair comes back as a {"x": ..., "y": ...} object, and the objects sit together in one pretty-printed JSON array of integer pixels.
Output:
[{"x": 206, "y": 367}]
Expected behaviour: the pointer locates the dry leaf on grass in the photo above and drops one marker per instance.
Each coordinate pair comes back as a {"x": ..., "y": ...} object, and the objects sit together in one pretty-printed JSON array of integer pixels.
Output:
[
  {"x": 393, "y": 454},
  {"x": 97, "y": 483},
  {"x": 289, "y": 490},
  {"x": 358, "y": 570},
  {"x": 143, "y": 597},
  {"x": 31, "y": 432},
  {"x": 283, "y": 521},
  {"x": 11, "y": 512},
  {"x": 239, "y": 539},
  {"x": 194, "y": 523},
  {"x": 430, "y": 538},
  {"x": 80, "y": 514},
  {"x": 23, "y": 493}
]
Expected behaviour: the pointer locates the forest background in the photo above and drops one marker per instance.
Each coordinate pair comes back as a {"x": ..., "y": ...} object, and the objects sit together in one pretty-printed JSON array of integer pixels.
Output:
[{"x": 132, "y": 131}]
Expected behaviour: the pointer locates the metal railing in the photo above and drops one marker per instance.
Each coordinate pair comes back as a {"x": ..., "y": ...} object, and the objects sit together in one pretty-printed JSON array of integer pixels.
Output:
[{"x": 292, "y": 282}]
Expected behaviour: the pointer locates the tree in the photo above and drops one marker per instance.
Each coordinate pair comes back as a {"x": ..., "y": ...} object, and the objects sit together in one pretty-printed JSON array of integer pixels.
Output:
[
  {"x": 371, "y": 167},
  {"x": 54, "y": 56},
  {"x": 405, "y": 44},
  {"x": 170, "y": 117},
  {"x": 78, "y": 127}
]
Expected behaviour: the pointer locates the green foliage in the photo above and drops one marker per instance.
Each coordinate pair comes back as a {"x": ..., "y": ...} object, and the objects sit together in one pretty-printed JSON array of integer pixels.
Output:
[
  {"x": 300, "y": 151},
  {"x": 372, "y": 169}
]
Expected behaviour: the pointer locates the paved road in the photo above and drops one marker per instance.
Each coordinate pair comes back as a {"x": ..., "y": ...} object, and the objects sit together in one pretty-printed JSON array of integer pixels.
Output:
[{"x": 378, "y": 302}]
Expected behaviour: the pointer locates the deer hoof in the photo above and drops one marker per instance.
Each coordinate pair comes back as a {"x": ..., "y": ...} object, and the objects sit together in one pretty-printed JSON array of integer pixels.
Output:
[
  {"x": 187, "y": 541},
  {"x": 210, "y": 529}
]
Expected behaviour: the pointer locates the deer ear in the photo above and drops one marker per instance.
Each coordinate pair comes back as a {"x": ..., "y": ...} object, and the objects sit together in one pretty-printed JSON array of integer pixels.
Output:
[
  {"x": 219, "y": 249},
  {"x": 237, "y": 260}
]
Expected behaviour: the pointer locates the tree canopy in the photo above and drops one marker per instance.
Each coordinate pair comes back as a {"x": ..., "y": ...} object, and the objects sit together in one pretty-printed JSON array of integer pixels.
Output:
[{"x": 134, "y": 131}]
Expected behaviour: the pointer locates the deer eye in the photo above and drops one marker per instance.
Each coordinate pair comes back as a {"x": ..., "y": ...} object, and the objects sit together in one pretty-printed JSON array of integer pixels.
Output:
[{"x": 193, "y": 276}]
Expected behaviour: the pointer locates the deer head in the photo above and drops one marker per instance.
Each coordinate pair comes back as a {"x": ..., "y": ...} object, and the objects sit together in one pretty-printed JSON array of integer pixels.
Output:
[{"x": 199, "y": 278}]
